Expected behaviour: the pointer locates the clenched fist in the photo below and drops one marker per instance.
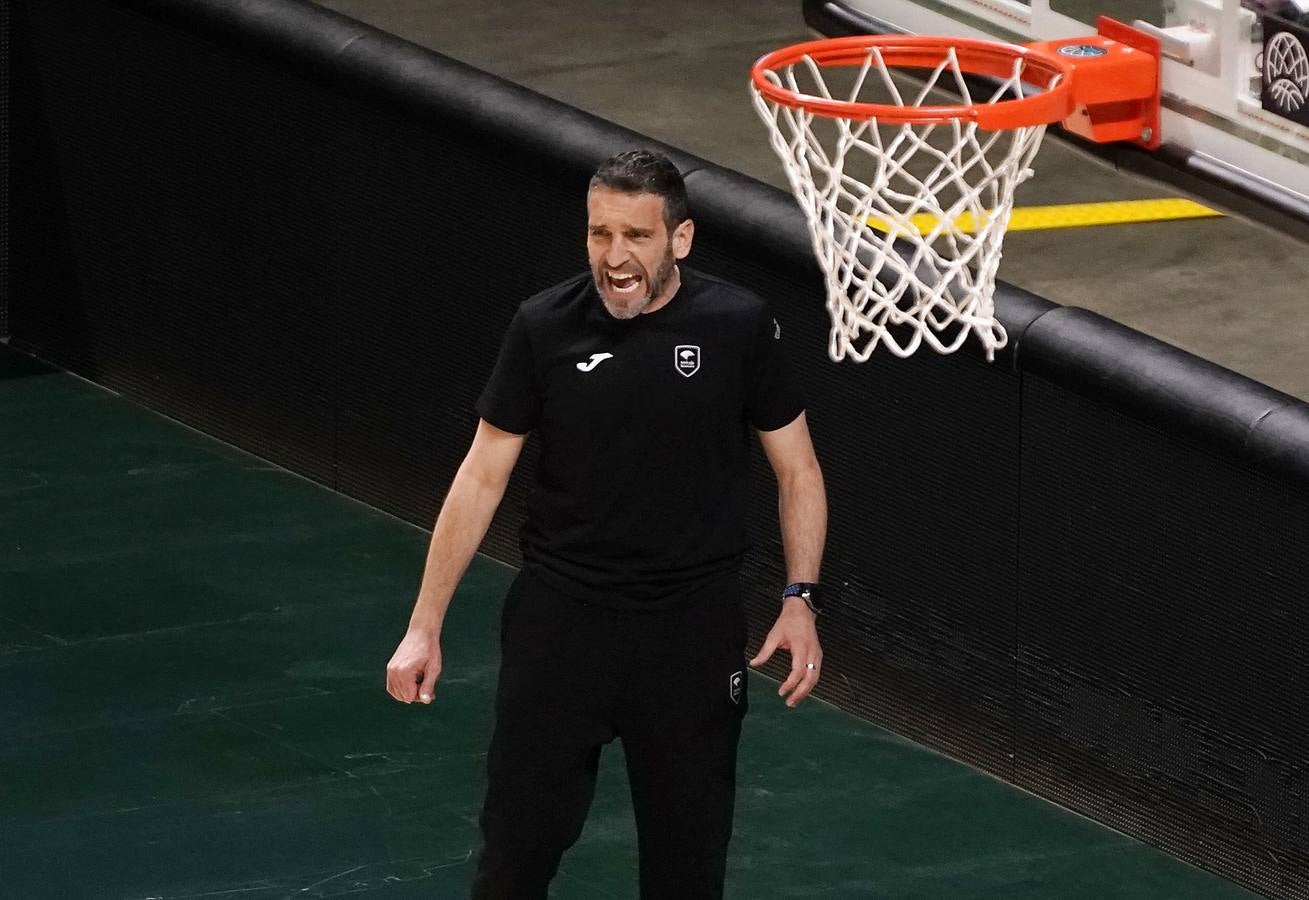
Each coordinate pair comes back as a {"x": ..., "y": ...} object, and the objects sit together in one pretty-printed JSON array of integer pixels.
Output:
[{"x": 412, "y": 672}]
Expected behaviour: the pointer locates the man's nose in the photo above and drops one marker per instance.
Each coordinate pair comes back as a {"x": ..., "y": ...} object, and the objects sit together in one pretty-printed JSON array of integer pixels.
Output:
[{"x": 617, "y": 253}]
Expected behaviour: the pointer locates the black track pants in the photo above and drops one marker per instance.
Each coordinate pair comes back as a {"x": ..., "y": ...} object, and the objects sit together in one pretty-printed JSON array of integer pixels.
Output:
[{"x": 670, "y": 684}]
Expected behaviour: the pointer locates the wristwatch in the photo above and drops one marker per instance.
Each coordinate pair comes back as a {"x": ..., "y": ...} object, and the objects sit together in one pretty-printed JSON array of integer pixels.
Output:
[{"x": 811, "y": 593}]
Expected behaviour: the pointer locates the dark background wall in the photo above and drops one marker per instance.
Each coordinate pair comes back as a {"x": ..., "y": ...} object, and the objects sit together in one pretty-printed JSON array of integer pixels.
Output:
[
  {"x": 1081, "y": 568},
  {"x": 5, "y": 104}
]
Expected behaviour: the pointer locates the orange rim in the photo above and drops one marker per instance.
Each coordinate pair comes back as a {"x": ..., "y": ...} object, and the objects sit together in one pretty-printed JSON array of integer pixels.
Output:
[{"x": 976, "y": 57}]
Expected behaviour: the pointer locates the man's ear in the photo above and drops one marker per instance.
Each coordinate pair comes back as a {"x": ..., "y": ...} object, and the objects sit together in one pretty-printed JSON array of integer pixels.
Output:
[{"x": 683, "y": 235}]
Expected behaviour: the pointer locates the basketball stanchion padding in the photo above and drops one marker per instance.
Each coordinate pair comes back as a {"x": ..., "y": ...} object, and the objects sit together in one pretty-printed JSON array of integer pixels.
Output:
[{"x": 907, "y": 200}]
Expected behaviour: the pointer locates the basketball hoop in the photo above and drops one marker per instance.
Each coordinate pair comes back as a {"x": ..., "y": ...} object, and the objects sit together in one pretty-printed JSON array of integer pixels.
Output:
[{"x": 907, "y": 201}]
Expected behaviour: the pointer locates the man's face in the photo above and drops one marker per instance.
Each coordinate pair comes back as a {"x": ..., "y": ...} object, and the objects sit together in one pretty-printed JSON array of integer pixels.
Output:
[{"x": 632, "y": 255}]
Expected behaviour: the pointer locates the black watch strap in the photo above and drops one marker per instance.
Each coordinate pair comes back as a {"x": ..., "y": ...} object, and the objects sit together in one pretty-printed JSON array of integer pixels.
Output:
[{"x": 810, "y": 592}]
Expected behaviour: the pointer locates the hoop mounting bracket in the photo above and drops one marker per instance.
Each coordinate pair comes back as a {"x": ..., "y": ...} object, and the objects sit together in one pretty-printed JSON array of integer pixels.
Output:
[{"x": 1116, "y": 86}]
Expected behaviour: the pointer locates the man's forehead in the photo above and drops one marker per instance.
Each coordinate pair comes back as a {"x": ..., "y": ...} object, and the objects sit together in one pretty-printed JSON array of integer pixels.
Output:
[{"x": 636, "y": 208}]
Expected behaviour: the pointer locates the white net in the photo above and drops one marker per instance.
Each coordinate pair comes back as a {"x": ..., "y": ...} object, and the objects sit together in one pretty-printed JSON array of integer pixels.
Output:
[{"x": 907, "y": 220}]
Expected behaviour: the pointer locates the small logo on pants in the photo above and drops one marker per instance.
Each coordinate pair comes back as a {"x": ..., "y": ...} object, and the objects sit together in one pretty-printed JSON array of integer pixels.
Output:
[{"x": 734, "y": 686}]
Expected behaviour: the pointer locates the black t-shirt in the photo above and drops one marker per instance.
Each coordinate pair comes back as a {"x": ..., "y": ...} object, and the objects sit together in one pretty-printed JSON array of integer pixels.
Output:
[{"x": 644, "y": 427}]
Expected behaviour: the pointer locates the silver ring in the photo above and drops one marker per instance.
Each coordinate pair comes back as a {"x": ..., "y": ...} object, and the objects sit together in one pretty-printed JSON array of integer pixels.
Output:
[{"x": 809, "y": 665}]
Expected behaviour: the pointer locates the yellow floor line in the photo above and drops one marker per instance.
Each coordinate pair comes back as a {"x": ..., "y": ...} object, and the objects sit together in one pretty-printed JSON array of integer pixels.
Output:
[{"x": 1077, "y": 215}]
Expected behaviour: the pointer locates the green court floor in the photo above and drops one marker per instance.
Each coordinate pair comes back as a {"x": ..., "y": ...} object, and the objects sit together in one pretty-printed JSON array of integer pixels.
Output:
[{"x": 192, "y": 653}]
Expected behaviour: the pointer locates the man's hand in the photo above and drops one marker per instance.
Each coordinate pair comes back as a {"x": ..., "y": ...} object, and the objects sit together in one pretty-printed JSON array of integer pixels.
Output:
[
  {"x": 412, "y": 672},
  {"x": 466, "y": 512},
  {"x": 795, "y": 632}
]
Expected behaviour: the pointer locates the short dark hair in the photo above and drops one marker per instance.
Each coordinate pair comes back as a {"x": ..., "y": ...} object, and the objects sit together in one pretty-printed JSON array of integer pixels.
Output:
[{"x": 646, "y": 172}]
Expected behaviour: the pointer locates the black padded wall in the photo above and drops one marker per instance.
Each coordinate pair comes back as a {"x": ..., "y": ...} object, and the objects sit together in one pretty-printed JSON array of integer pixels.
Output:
[
  {"x": 6, "y": 139},
  {"x": 1162, "y": 666},
  {"x": 1080, "y": 568},
  {"x": 171, "y": 266}
]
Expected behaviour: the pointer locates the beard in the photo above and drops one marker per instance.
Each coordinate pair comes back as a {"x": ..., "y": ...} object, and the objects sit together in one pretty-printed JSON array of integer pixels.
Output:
[{"x": 655, "y": 285}]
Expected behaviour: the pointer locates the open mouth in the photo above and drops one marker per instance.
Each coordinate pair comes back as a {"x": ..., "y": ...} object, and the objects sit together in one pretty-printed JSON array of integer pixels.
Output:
[{"x": 622, "y": 282}]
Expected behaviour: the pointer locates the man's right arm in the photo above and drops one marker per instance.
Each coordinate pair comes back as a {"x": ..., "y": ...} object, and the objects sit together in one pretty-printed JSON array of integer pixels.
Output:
[{"x": 465, "y": 515}]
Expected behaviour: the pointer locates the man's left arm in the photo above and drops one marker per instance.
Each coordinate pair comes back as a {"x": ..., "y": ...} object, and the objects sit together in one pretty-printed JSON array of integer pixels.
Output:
[{"x": 802, "y": 509}]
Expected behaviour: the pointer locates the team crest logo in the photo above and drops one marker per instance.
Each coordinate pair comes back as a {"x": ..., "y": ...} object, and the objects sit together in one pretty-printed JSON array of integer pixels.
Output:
[
  {"x": 1286, "y": 75},
  {"x": 734, "y": 686},
  {"x": 687, "y": 359}
]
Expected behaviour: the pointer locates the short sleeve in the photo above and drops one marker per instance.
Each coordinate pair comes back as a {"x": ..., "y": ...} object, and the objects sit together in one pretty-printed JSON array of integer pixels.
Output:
[
  {"x": 511, "y": 400},
  {"x": 773, "y": 396}
]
